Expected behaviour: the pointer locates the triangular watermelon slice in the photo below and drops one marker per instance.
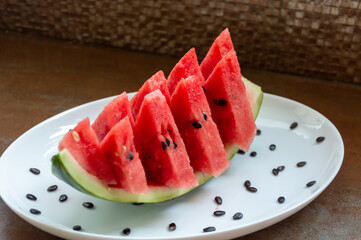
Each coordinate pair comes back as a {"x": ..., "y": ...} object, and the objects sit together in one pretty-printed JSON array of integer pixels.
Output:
[
  {"x": 160, "y": 145},
  {"x": 200, "y": 134},
  {"x": 118, "y": 148},
  {"x": 220, "y": 47},
  {"x": 228, "y": 101},
  {"x": 157, "y": 81},
  {"x": 82, "y": 144},
  {"x": 186, "y": 67},
  {"x": 113, "y": 112}
]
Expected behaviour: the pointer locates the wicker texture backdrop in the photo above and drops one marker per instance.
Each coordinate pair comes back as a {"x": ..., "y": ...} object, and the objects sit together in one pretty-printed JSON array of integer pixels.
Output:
[{"x": 310, "y": 38}]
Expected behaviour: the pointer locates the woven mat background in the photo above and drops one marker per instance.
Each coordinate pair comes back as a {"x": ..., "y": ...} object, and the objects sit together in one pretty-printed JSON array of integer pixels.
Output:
[{"x": 310, "y": 38}]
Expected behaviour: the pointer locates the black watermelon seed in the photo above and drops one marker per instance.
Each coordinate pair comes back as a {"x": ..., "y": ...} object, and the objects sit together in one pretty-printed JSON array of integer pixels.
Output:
[
  {"x": 272, "y": 147},
  {"x": 167, "y": 142},
  {"x": 172, "y": 227},
  {"x": 205, "y": 90},
  {"x": 310, "y": 184},
  {"x": 252, "y": 189},
  {"x": 131, "y": 156},
  {"x": 164, "y": 145},
  {"x": 52, "y": 188},
  {"x": 197, "y": 125},
  {"x": 240, "y": 151},
  {"x": 281, "y": 168},
  {"x": 31, "y": 197},
  {"x": 34, "y": 171},
  {"x": 320, "y": 139},
  {"x": 275, "y": 171},
  {"x": 175, "y": 145},
  {"x": 63, "y": 198},
  {"x": 222, "y": 102},
  {"x": 247, "y": 183},
  {"x": 219, "y": 213},
  {"x": 218, "y": 200},
  {"x": 237, "y": 216},
  {"x": 293, "y": 125},
  {"x": 301, "y": 164},
  {"x": 209, "y": 229},
  {"x": 205, "y": 116},
  {"x": 76, "y": 227},
  {"x": 281, "y": 199},
  {"x": 126, "y": 231},
  {"x": 34, "y": 211},
  {"x": 88, "y": 204},
  {"x": 258, "y": 132},
  {"x": 253, "y": 154},
  {"x": 137, "y": 203}
]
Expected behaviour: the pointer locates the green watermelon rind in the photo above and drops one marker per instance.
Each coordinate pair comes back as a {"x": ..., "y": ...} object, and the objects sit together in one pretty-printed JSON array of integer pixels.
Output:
[{"x": 66, "y": 168}]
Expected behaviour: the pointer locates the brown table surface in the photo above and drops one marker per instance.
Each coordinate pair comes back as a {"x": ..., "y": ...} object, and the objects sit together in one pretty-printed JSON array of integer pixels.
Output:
[{"x": 41, "y": 77}]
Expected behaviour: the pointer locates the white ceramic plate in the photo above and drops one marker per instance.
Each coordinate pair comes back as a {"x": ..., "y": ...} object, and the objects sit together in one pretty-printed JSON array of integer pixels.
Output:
[{"x": 191, "y": 212}]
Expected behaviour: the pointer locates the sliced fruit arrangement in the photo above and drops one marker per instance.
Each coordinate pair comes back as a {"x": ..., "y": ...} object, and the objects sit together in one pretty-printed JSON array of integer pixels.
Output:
[{"x": 171, "y": 137}]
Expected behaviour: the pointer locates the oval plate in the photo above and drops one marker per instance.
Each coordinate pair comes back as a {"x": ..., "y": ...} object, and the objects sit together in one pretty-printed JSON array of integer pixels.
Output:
[{"x": 191, "y": 212}]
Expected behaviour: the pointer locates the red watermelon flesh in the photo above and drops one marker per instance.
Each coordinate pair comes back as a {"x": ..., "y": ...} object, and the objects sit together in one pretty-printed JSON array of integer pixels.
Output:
[
  {"x": 160, "y": 145},
  {"x": 83, "y": 145},
  {"x": 228, "y": 101},
  {"x": 200, "y": 134},
  {"x": 220, "y": 47},
  {"x": 186, "y": 67},
  {"x": 113, "y": 112},
  {"x": 157, "y": 81},
  {"x": 118, "y": 148}
]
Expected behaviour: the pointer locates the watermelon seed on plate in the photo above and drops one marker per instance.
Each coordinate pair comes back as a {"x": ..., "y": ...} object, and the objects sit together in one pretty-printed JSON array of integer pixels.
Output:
[
  {"x": 275, "y": 171},
  {"x": 52, "y": 188},
  {"x": 240, "y": 151},
  {"x": 196, "y": 125},
  {"x": 131, "y": 156},
  {"x": 34, "y": 171},
  {"x": 252, "y": 189},
  {"x": 75, "y": 136},
  {"x": 175, "y": 145},
  {"x": 205, "y": 116},
  {"x": 167, "y": 141},
  {"x": 301, "y": 164},
  {"x": 88, "y": 204},
  {"x": 35, "y": 211},
  {"x": 253, "y": 154},
  {"x": 31, "y": 197},
  {"x": 258, "y": 132},
  {"x": 126, "y": 231},
  {"x": 247, "y": 183},
  {"x": 272, "y": 147},
  {"x": 63, "y": 198},
  {"x": 218, "y": 200},
  {"x": 293, "y": 125},
  {"x": 320, "y": 139},
  {"x": 281, "y": 168},
  {"x": 237, "y": 216},
  {"x": 172, "y": 226},
  {"x": 219, "y": 213},
  {"x": 76, "y": 227},
  {"x": 310, "y": 184},
  {"x": 281, "y": 199},
  {"x": 209, "y": 229}
]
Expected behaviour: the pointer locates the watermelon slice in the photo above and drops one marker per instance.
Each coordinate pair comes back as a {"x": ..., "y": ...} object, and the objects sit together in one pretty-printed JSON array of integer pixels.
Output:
[
  {"x": 160, "y": 145},
  {"x": 200, "y": 134},
  {"x": 228, "y": 101},
  {"x": 186, "y": 67},
  {"x": 82, "y": 144},
  {"x": 157, "y": 81},
  {"x": 118, "y": 148},
  {"x": 220, "y": 47},
  {"x": 111, "y": 115}
]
